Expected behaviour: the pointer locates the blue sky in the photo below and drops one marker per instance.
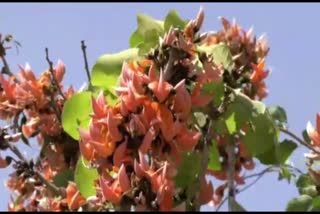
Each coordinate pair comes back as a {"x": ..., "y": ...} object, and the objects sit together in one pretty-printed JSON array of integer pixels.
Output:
[{"x": 292, "y": 30}]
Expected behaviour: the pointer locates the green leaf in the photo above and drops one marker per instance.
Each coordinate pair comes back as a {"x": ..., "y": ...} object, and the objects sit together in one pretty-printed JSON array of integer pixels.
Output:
[
  {"x": 285, "y": 173},
  {"x": 200, "y": 118},
  {"x": 106, "y": 71},
  {"x": 173, "y": 19},
  {"x": 186, "y": 174},
  {"x": 304, "y": 181},
  {"x": 216, "y": 89},
  {"x": 146, "y": 25},
  {"x": 244, "y": 109},
  {"x": 75, "y": 113},
  {"x": 262, "y": 138},
  {"x": 221, "y": 54},
  {"x": 316, "y": 204},
  {"x": 135, "y": 39},
  {"x": 62, "y": 179},
  {"x": 278, "y": 114},
  {"x": 301, "y": 203},
  {"x": 85, "y": 178},
  {"x": 285, "y": 150},
  {"x": 231, "y": 124},
  {"x": 220, "y": 126},
  {"x": 214, "y": 157},
  {"x": 236, "y": 207},
  {"x": 151, "y": 40}
]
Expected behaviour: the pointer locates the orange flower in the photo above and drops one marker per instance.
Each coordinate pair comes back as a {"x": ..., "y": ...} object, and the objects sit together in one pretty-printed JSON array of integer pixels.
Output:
[
  {"x": 160, "y": 88},
  {"x": 121, "y": 155},
  {"x": 186, "y": 139},
  {"x": 74, "y": 199},
  {"x": 30, "y": 127},
  {"x": 182, "y": 101},
  {"x": 112, "y": 191},
  {"x": 259, "y": 73},
  {"x": 314, "y": 134},
  {"x": 168, "y": 127}
]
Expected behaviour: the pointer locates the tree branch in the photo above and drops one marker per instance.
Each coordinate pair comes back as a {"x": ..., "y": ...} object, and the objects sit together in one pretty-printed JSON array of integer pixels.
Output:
[
  {"x": 83, "y": 48},
  {"x": 302, "y": 142},
  {"x": 52, "y": 73},
  {"x": 230, "y": 173}
]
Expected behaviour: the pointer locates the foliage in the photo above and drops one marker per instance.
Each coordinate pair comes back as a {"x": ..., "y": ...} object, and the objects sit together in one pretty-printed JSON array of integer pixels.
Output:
[{"x": 158, "y": 119}]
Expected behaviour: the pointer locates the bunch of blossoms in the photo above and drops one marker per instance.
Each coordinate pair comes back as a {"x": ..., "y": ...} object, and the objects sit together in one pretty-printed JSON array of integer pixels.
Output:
[
  {"x": 138, "y": 143},
  {"x": 33, "y": 107},
  {"x": 249, "y": 56}
]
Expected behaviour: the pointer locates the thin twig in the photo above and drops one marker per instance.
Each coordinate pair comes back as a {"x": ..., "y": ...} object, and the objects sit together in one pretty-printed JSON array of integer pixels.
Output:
[
  {"x": 52, "y": 73},
  {"x": 221, "y": 203},
  {"x": 302, "y": 142},
  {"x": 294, "y": 168},
  {"x": 268, "y": 169},
  {"x": 83, "y": 48}
]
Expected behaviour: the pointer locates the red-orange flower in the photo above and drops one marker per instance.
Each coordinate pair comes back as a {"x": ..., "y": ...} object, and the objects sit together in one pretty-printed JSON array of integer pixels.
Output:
[
  {"x": 314, "y": 133},
  {"x": 112, "y": 191},
  {"x": 74, "y": 198}
]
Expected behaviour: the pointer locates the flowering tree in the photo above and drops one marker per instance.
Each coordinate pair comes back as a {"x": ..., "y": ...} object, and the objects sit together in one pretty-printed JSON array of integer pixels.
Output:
[{"x": 173, "y": 123}]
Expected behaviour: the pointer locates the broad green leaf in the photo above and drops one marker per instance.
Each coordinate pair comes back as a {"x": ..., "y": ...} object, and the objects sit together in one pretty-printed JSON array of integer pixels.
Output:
[
  {"x": 214, "y": 157},
  {"x": 316, "y": 204},
  {"x": 135, "y": 39},
  {"x": 285, "y": 150},
  {"x": 221, "y": 54},
  {"x": 62, "y": 179},
  {"x": 151, "y": 40},
  {"x": 145, "y": 24},
  {"x": 173, "y": 19},
  {"x": 244, "y": 109},
  {"x": 189, "y": 169},
  {"x": 304, "y": 181},
  {"x": 278, "y": 114},
  {"x": 200, "y": 118},
  {"x": 236, "y": 207},
  {"x": 301, "y": 203},
  {"x": 107, "y": 69},
  {"x": 269, "y": 157},
  {"x": 85, "y": 178},
  {"x": 216, "y": 89},
  {"x": 76, "y": 112},
  {"x": 262, "y": 138}
]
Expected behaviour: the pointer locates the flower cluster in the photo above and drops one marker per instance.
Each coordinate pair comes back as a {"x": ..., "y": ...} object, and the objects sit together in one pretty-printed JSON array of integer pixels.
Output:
[{"x": 33, "y": 106}]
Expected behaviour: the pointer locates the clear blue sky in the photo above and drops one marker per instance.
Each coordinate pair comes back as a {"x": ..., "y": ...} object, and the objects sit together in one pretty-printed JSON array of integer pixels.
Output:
[{"x": 292, "y": 30}]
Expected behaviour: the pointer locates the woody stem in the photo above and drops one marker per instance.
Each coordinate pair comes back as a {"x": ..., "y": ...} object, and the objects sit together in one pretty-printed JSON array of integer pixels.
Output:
[{"x": 230, "y": 173}]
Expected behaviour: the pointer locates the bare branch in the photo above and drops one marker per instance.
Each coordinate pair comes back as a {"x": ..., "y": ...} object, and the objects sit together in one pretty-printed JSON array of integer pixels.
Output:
[
  {"x": 52, "y": 73},
  {"x": 83, "y": 48}
]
